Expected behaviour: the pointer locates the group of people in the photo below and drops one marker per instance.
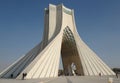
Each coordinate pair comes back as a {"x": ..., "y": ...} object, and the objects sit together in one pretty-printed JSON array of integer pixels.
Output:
[{"x": 23, "y": 76}]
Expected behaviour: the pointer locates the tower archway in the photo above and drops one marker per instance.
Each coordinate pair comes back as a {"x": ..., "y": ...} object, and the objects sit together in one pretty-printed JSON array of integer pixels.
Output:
[{"x": 69, "y": 54}]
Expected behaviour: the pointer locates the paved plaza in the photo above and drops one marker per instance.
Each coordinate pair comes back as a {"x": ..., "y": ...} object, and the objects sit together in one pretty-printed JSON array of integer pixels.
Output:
[{"x": 65, "y": 79}]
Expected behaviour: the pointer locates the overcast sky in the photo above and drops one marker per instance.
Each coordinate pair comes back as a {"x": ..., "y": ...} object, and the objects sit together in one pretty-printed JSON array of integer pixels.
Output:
[{"x": 22, "y": 24}]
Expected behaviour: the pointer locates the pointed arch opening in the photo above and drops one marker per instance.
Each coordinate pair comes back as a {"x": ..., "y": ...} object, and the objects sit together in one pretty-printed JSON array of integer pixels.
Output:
[{"x": 69, "y": 54}]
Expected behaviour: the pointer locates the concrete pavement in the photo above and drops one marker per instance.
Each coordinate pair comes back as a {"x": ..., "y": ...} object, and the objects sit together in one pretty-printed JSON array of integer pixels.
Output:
[{"x": 65, "y": 79}]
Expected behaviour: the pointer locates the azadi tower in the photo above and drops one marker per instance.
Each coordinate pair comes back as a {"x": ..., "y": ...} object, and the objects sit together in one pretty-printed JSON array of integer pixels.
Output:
[{"x": 60, "y": 38}]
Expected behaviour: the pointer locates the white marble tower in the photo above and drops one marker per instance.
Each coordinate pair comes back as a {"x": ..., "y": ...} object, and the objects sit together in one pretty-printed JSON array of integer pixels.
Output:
[{"x": 60, "y": 38}]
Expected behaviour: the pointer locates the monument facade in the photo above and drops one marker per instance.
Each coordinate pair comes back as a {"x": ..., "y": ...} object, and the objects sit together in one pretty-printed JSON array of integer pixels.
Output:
[{"x": 60, "y": 38}]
